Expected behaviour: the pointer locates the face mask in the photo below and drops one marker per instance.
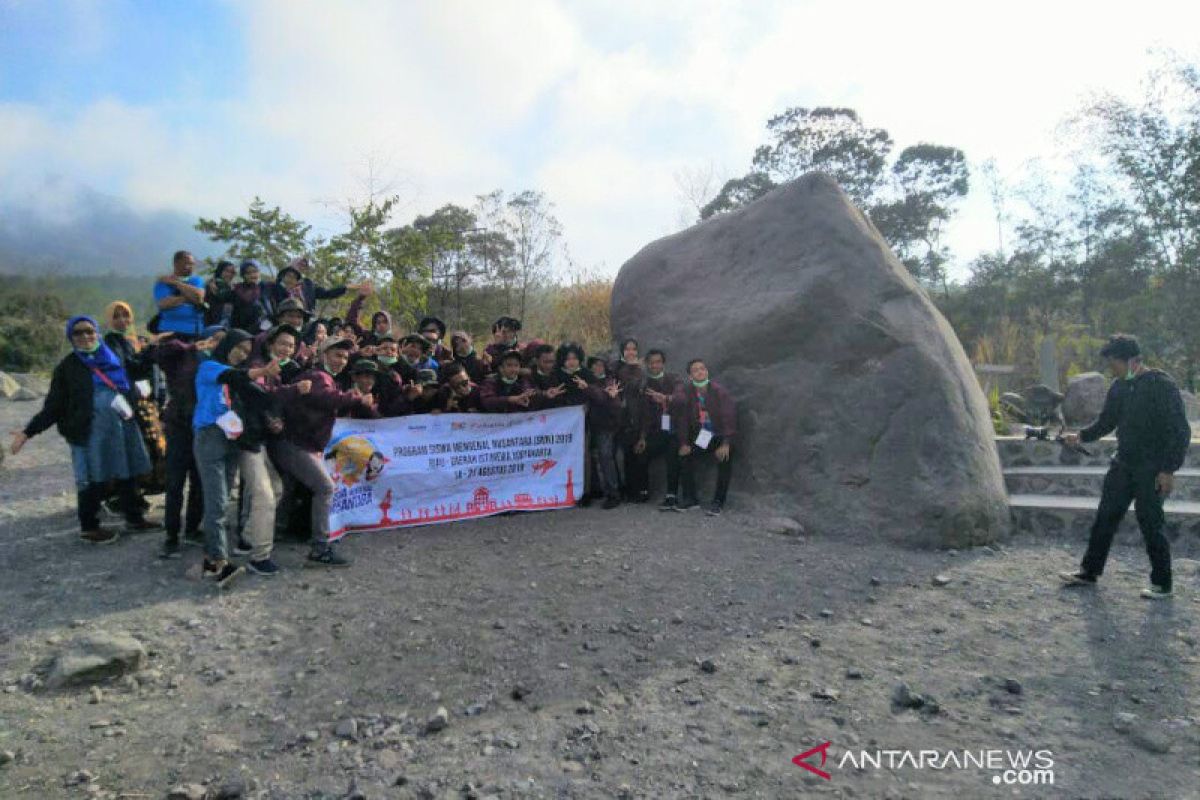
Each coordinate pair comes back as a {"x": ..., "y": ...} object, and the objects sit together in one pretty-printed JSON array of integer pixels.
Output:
[
  {"x": 570, "y": 370},
  {"x": 387, "y": 361},
  {"x": 412, "y": 362},
  {"x": 283, "y": 362},
  {"x": 700, "y": 384},
  {"x": 509, "y": 381},
  {"x": 657, "y": 375},
  {"x": 92, "y": 349}
]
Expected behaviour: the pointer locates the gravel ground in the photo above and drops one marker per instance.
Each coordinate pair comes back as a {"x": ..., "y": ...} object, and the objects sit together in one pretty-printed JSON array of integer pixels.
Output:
[{"x": 586, "y": 653}]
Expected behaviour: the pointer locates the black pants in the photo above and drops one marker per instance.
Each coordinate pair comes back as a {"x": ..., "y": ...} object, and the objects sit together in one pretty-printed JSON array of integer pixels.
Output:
[
  {"x": 1123, "y": 486},
  {"x": 181, "y": 474},
  {"x": 687, "y": 471},
  {"x": 89, "y": 500}
]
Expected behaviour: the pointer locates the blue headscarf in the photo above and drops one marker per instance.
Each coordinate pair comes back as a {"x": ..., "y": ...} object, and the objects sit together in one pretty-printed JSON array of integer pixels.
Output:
[{"x": 103, "y": 359}]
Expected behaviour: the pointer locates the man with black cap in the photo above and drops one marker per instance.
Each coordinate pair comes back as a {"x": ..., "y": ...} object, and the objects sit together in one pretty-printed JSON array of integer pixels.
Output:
[
  {"x": 308, "y": 426},
  {"x": 1146, "y": 410}
]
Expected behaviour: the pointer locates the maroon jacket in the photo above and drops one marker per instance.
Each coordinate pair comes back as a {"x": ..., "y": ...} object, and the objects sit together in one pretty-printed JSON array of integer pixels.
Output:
[
  {"x": 179, "y": 362},
  {"x": 308, "y": 420},
  {"x": 652, "y": 412},
  {"x": 685, "y": 418},
  {"x": 462, "y": 405},
  {"x": 493, "y": 394},
  {"x": 603, "y": 412}
]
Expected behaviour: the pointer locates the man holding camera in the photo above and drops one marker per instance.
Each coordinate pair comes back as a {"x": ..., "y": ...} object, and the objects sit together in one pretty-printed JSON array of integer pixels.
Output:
[{"x": 1146, "y": 410}]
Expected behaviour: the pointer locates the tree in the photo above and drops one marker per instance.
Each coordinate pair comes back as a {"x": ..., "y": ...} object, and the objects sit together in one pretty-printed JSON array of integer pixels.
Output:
[
  {"x": 527, "y": 220},
  {"x": 269, "y": 235},
  {"x": 829, "y": 140}
]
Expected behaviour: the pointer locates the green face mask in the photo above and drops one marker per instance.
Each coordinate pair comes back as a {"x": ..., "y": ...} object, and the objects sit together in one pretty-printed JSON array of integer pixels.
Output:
[
  {"x": 283, "y": 362},
  {"x": 657, "y": 375},
  {"x": 570, "y": 370},
  {"x": 92, "y": 349},
  {"x": 700, "y": 384},
  {"x": 387, "y": 361},
  {"x": 509, "y": 381}
]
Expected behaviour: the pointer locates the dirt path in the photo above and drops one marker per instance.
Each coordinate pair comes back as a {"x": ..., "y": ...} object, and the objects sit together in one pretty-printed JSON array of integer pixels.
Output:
[{"x": 600, "y": 622}]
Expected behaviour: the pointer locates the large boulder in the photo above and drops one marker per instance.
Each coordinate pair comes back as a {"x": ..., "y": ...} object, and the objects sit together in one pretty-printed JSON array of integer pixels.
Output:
[
  {"x": 859, "y": 411},
  {"x": 1084, "y": 398}
]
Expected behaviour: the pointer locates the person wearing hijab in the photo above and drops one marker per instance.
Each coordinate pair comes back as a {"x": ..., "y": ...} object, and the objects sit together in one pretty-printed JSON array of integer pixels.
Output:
[
  {"x": 136, "y": 355},
  {"x": 89, "y": 401},
  {"x": 226, "y": 411},
  {"x": 462, "y": 351}
]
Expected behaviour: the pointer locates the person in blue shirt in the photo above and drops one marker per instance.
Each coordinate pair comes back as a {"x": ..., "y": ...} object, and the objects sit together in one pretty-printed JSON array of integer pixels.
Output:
[{"x": 180, "y": 299}]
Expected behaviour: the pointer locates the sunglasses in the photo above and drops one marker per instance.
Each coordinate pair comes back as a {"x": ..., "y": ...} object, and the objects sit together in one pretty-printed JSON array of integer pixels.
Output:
[{"x": 83, "y": 332}]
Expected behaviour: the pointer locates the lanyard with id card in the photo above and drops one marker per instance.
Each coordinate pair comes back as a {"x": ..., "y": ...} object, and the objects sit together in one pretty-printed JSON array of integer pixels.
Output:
[{"x": 119, "y": 404}]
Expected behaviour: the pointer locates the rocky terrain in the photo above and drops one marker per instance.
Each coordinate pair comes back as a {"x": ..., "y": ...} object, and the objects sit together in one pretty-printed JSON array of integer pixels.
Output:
[{"x": 583, "y": 654}]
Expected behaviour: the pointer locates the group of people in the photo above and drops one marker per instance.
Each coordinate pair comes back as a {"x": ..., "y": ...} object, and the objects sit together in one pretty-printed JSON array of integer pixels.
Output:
[{"x": 234, "y": 388}]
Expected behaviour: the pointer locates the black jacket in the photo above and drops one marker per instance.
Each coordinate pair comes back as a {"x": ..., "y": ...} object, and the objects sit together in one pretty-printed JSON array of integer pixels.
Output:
[
  {"x": 68, "y": 404},
  {"x": 139, "y": 366},
  {"x": 253, "y": 404},
  {"x": 1148, "y": 415}
]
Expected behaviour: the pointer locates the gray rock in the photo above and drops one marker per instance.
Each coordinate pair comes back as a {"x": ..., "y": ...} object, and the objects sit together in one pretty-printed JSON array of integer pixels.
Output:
[
  {"x": 1013, "y": 686},
  {"x": 7, "y": 757},
  {"x": 96, "y": 656},
  {"x": 858, "y": 409},
  {"x": 708, "y": 666},
  {"x": 784, "y": 525},
  {"x": 233, "y": 788},
  {"x": 1084, "y": 398},
  {"x": 310, "y": 736},
  {"x": 187, "y": 791},
  {"x": 8, "y": 386},
  {"x": 37, "y": 384},
  {"x": 347, "y": 729},
  {"x": 1150, "y": 740},
  {"x": 1123, "y": 721},
  {"x": 439, "y": 720},
  {"x": 23, "y": 395},
  {"x": 940, "y": 580}
]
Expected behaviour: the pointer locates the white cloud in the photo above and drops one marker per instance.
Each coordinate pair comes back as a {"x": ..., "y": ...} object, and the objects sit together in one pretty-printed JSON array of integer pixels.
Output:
[{"x": 596, "y": 103}]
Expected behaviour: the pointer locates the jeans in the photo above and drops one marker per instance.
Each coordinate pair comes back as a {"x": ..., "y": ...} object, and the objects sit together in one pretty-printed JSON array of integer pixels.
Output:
[
  {"x": 181, "y": 472},
  {"x": 604, "y": 459},
  {"x": 1123, "y": 486},
  {"x": 258, "y": 504},
  {"x": 217, "y": 460},
  {"x": 687, "y": 467},
  {"x": 308, "y": 469}
]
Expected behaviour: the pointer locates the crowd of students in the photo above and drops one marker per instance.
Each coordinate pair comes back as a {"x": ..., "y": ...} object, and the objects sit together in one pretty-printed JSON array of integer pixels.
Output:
[{"x": 235, "y": 385}]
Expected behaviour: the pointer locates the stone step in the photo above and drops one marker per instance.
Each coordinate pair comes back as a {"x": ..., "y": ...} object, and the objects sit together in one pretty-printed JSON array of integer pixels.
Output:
[
  {"x": 1085, "y": 481},
  {"x": 1056, "y": 516},
  {"x": 1016, "y": 451}
]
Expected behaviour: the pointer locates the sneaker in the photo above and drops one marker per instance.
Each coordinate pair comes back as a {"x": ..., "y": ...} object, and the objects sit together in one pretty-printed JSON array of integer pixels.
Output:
[
  {"x": 1077, "y": 578},
  {"x": 267, "y": 568},
  {"x": 170, "y": 549},
  {"x": 112, "y": 507},
  {"x": 668, "y": 504},
  {"x": 713, "y": 510},
  {"x": 686, "y": 504},
  {"x": 611, "y": 502},
  {"x": 142, "y": 524},
  {"x": 1156, "y": 592},
  {"x": 242, "y": 548},
  {"x": 99, "y": 536},
  {"x": 325, "y": 557},
  {"x": 221, "y": 573}
]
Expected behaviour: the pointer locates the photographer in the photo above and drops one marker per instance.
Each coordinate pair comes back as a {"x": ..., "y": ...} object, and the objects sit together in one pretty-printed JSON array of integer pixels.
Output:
[{"x": 1146, "y": 410}]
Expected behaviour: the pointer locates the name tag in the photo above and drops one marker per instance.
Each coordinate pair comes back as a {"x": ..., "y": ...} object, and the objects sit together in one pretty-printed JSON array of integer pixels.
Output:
[
  {"x": 143, "y": 388},
  {"x": 666, "y": 422},
  {"x": 703, "y": 439}
]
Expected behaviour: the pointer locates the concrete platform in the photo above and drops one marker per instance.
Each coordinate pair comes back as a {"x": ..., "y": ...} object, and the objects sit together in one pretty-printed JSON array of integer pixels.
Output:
[
  {"x": 1084, "y": 481},
  {"x": 1058, "y": 516},
  {"x": 1016, "y": 451}
]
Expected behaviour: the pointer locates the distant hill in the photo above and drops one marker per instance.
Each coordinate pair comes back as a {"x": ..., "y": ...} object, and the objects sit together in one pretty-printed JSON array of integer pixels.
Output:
[{"x": 92, "y": 234}]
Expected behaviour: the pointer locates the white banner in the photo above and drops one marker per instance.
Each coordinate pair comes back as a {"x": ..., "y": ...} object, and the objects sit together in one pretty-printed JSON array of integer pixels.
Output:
[{"x": 432, "y": 468}]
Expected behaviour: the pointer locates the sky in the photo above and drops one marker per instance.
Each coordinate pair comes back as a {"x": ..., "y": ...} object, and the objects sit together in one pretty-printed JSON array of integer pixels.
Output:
[{"x": 603, "y": 105}]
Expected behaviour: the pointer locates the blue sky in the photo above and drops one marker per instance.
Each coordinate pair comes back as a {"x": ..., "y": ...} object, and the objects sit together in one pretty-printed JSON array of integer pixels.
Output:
[{"x": 608, "y": 107}]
